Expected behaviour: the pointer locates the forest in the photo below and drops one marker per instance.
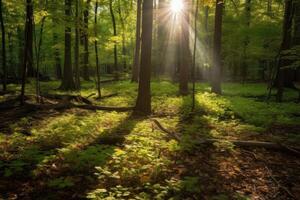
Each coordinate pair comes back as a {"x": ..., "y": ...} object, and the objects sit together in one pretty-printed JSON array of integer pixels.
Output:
[{"x": 150, "y": 99}]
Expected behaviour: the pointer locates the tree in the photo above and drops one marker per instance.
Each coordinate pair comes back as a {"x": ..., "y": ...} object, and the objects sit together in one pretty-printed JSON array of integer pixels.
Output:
[
  {"x": 77, "y": 41},
  {"x": 28, "y": 53},
  {"x": 86, "y": 75},
  {"x": 136, "y": 62},
  {"x": 115, "y": 35},
  {"x": 122, "y": 20},
  {"x": 194, "y": 56},
  {"x": 96, "y": 51},
  {"x": 143, "y": 103},
  {"x": 216, "y": 70},
  {"x": 3, "y": 47},
  {"x": 185, "y": 55},
  {"x": 244, "y": 67},
  {"x": 282, "y": 72},
  {"x": 68, "y": 81}
]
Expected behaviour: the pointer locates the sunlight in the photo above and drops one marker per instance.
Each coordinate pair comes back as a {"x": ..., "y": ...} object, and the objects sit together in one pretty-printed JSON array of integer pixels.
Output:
[{"x": 177, "y": 6}]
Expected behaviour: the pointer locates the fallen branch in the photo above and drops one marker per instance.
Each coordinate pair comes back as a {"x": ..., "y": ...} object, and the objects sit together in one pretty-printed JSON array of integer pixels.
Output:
[
  {"x": 76, "y": 98},
  {"x": 238, "y": 143}
]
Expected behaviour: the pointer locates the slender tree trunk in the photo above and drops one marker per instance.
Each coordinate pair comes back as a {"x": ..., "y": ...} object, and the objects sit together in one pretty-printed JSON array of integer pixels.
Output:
[
  {"x": 38, "y": 45},
  {"x": 143, "y": 104},
  {"x": 28, "y": 53},
  {"x": 136, "y": 62},
  {"x": 86, "y": 75},
  {"x": 21, "y": 50},
  {"x": 68, "y": 81},
  {"x": 116, "y": 70},
  {"x": 244, "y": 67},
  {"x": 77, "y": 41},
  {"x": 161, "y": 36},
  {"x": 3, "y": 47},
  {"x": 123, "y": 36},
  {"x": 216, "y": 70},
  {"x": 96, "y": 51},
  {"x": 11, "y": 56},
  {"x": 194, "y": 56},
  {"x": 285, "y": 45},
  {"x": 185, "y": 53}
]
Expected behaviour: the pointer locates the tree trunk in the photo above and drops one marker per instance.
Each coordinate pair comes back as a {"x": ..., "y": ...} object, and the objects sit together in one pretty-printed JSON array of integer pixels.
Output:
[
  {"x": 3, "y": 47},
  {"x": 185, "y": 54},
  {"x": 67, "y": 81},
  {"x": 194, "y": 56},
  {"x": 244, "y": 67},
  {"x": 285, "y": 45},
  {"x": 116, "y": 71},
  {"x": 216, "y": 70},
  {"x": 296, "y": 34},
  {"x": 136, "y": 62},
  {"x": 161, "y": 36},
  {"x": 27, "y": 62},
  {"x": 86, "y": 75},
  {"x": 123, "y": 36},
  {"x": 96, "y": 51},
  {"x": 20, "y": 50},
  {"x": 143, "y": 104},
  {"x": 77, "y": 41}
]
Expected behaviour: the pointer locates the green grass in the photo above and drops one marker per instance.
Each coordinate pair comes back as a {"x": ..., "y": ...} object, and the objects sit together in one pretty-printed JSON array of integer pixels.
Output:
[{"x": 65, "y": 149}]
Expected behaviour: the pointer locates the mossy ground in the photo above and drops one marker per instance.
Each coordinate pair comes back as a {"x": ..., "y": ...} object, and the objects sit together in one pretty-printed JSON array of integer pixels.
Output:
[{"x": 64, "y": 157}]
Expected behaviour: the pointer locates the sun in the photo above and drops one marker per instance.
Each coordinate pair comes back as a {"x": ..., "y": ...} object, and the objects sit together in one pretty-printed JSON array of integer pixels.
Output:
[{"x": 176, "y": 6}]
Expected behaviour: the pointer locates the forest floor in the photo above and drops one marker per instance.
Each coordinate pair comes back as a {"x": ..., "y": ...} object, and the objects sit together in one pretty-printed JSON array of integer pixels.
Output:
[{"x": 78, "y": 154}]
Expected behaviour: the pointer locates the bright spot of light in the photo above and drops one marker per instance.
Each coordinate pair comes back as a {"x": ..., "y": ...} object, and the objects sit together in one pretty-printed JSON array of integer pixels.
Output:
[{"x": 177, "y": 6}]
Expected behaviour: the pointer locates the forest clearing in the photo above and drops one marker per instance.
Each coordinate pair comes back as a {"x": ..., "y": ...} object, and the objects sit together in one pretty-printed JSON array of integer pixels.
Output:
[{"x": 150, "y": 99}]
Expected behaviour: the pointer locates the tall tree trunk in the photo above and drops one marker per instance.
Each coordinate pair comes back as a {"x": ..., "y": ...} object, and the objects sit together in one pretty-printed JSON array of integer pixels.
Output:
[
  {"x": 20, "y": 50},
  {"x": 123, "y": 36},
  {"x": 11, "y": 62},
  {"x": 28, "y": 53},
  {"x": 296, "y": 31},
  {"x": 161, "y": 36},
  {"x": 194, "y": 56},
  {"x": 185, "y": 53},
  {"x": 96, "y": 51},
  {"x": 244, "y": 67},
  {"x": 77, "y": 41},
  {"x": 38, "y": 45},
  {"x": 116, "y": 71},
  {"x": 68, "y": 81},
  {"x": 86, "y": 75},
  {"x": 136, "y": 62},
  {"x": 143, "y": 103},
  {"x": 217, "y": 66},
  {"x": 3, "y": 47},
  {"x": 285, "y": 45}
]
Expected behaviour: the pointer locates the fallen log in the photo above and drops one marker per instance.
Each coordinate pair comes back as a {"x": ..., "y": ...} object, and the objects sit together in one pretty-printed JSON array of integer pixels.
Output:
[
  {"x": 63, "y": 106},
  {"x": 237, "y": 143},
  {"x": 76, "y": 98}
]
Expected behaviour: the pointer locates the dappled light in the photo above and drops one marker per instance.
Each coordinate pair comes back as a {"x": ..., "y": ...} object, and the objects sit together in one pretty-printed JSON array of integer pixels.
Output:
[{"x": 149, "y": 100}]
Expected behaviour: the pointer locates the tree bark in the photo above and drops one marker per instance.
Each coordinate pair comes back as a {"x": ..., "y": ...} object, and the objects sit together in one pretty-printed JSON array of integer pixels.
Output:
[
  {"x": 3, "y": 47},
  {"x": 136, "y": 62},
  {"x": 143, "y": 104},
  {"x": 28, "y": 53},
  {"x": 216, "y": 70},
  {"x": 68, "y": 81}
]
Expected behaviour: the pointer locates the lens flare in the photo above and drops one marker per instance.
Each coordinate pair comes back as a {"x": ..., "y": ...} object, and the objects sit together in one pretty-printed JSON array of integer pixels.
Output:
[{"x": 177, "y": 6}]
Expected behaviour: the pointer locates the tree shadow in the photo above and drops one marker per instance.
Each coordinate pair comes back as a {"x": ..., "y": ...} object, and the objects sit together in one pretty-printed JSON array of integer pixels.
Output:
[
  {"x": 221, "y": 171},
  {"x": 64, "y": 171}
]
